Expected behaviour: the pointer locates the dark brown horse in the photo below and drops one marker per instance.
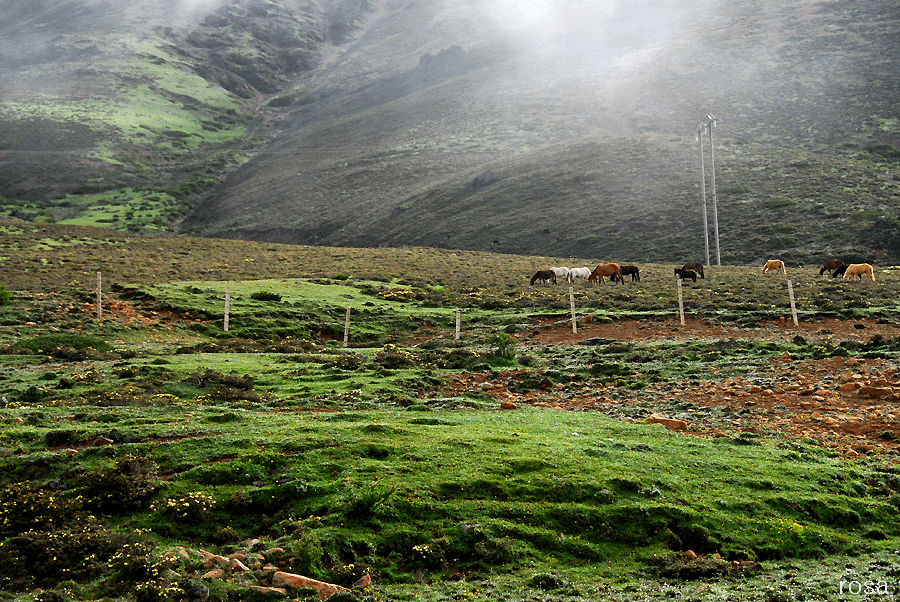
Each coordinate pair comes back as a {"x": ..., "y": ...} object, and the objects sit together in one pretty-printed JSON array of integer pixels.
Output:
[
  {"x": 544, "y": 276},
  {"x": 631, "y": 270},
  {"x": 696, "y": 266},
  {"x": 607, "y": 269},
  {"x": 831, "y": 266},
  {"x": 684, "y": 274}
]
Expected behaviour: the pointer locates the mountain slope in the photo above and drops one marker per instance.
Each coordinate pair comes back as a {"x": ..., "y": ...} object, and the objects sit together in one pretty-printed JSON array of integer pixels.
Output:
[
  {"x": 131, "y": 108},
  {"x": 584, "y": 144},
  {"x": 555, "y": 127}
]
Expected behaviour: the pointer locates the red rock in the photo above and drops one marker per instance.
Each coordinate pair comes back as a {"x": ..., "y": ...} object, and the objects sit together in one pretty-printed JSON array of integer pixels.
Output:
[
  {"x": 269, "y": 591},
  {"x": 670, "y": 423},
  {"x": 281, "y": 578}
]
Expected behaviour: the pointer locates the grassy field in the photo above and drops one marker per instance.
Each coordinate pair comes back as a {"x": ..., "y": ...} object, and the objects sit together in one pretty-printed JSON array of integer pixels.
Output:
[{"x": 137, "y": 449}]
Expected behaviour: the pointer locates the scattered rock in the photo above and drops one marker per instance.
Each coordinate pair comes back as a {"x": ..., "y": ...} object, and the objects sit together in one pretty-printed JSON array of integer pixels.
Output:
[
  {"x": 282, "y": 579},
  {"x": 278, "y": 592}
]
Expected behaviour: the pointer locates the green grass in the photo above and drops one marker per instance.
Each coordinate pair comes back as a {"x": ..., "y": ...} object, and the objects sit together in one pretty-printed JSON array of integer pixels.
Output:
[{"x": 490, "y": 494}]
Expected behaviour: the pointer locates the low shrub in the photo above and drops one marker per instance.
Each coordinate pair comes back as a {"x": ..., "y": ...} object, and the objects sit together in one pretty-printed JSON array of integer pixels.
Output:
[
  {"x": 265, "y": 296},
  {"x": 122, "y": 487}
]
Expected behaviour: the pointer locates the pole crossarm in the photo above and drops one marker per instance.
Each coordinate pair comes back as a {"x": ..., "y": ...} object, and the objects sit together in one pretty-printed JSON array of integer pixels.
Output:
[{"x": 705, "y": 124}]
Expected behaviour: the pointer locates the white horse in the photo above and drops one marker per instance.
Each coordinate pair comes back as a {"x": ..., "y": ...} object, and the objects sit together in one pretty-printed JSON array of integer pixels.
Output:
[
  {"x": 578, "y": 273},
  {"x": 561, "y": 273}
]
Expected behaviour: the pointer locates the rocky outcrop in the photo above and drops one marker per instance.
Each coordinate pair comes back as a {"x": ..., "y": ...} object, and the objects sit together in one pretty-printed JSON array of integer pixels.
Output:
[{"x": 261, "y": 569}]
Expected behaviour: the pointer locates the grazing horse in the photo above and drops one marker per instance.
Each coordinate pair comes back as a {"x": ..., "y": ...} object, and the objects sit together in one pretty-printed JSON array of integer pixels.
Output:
[
  {"x": 684, "y": 274},
  {"x": 839, "y": 271},
  {"x": 773, "y": 265},
  {"x": 578, "y": 273},
  {"x": 696, "y": 266},
  {"x": 561, "y": 273},
  {"x": 607, "y": 269},
  {"x": 631, "y": 270},
  {"x": 831, "y": 265},
  {"x": 855, "y": 271},
  {"x": 544, "y": 276}
]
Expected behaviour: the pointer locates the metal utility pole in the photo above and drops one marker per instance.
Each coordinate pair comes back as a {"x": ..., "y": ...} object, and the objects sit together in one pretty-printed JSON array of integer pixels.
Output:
[
  {"x": 703, "y": 192},
  {"x": 705, "y": 127}
]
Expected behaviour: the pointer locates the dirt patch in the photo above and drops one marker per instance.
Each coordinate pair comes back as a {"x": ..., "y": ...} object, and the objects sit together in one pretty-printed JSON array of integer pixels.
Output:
[
  {"x": 553, "y": 331},
  {"x": 851, "y": 404}
]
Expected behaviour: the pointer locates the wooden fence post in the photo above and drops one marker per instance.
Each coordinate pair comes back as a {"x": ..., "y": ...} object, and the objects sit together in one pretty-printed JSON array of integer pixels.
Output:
[
  {"x": 227, "y": 306},
  {"x": 793, "y": 304},
  {"x": 456, "y": 335},
  {"x": 99, "y": 302},
  {"x": 680, "y": 301},
  {"x": 572, "y": 306},
  {"x": 347, "y": 327}
]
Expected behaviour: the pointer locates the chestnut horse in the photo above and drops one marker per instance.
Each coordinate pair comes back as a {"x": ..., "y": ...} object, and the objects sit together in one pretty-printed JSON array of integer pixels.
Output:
[
  {"x": 831, "y": 266},
  {"x": 773, "y": 265},
  {"x": 607, "y": 269},
  {"x": 855, "y": 271}
]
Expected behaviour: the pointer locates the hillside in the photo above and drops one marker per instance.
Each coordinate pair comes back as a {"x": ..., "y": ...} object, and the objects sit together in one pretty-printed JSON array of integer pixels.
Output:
[
  {"x": 561, "y": 129},
  {"x": 199, "y": 430}
]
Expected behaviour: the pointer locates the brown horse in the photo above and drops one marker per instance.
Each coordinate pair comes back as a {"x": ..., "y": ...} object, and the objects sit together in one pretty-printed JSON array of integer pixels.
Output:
[
  {"x": 607, "y": 269},
  {"x": 631, "y": 270},
  {"x": 696, "y": 266},
  {"x": 544, "y": 276},
  {"x": 855, "y": 271},
  {"x": 831, "y": 265}
]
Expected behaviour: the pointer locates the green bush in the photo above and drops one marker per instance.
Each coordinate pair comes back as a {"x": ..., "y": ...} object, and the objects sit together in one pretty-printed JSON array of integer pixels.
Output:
[
  {"x": 52, "y": 343},
  {"x": 191, "y": 508},
  {"x": 122, "y": 487},
  {"x": 5, "y": 296},
  {"x": 25, "y": 507},
  {"x": 68, "y": 553},
  {"x": 265, "y": 296},
  {"x": 504, "y": 345}
]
